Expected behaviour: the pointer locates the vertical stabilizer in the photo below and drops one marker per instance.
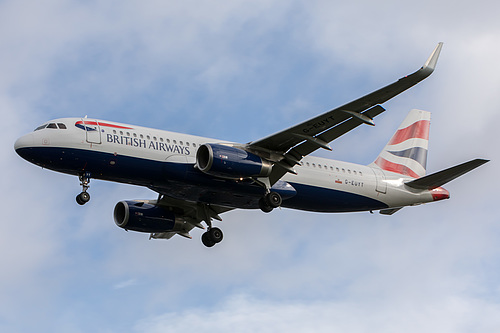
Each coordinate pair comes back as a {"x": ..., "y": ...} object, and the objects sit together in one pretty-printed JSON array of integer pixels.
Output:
[{"x": 406, "y": 152}]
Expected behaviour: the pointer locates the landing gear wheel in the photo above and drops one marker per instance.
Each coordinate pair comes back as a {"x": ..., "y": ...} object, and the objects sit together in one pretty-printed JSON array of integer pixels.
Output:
[
  {"x": 212, "y": 237},
  {"x": 207, "y": 240},
  {"x": 264, "y": 206},
  {"x": 273, "y": 199},
  {"x": 215, "y": 234},
  {"x": 82, "y": 198}
]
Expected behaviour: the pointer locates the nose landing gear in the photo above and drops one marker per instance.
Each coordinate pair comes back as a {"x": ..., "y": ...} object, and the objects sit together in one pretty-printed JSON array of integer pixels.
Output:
[{"x": 84, "y": 197}]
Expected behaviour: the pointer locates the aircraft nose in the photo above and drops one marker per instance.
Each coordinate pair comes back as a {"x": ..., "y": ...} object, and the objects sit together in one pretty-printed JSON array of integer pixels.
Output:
[{"x": 25, "y": 141}]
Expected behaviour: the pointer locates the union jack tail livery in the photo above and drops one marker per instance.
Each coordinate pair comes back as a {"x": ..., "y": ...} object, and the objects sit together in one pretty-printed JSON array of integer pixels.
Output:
[{"x": 406, "y": 152}]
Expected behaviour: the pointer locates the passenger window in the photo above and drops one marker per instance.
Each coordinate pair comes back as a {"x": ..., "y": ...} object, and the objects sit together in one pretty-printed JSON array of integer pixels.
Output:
[
  {"x": 52, "y": 125},
  {"x": 180, "y": 142},
  {"x": 360, "y": 173},
  {"x": 194, "y": 144},
  {"x": 354, "y": 172},
  {"x": 135, "y": 135},
  {"x": 148, "y": 137},
  {"x": 319, "y": 166},
  {"x": 61, "y": 125},
  {"x": 175, "y": 142},
  {"x": 154, "y": 138},
  {"x": 168, "y": 140},
  {"x": 128, "y": 133},
  {"x": 142, "y": 136},
  {"x": 161, "y": 139}
]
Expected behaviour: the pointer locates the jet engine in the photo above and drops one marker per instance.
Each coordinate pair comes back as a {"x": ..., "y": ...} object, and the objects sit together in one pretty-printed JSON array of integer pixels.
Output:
[
  {"x": 230, "y": 162},
  {"x": 144, "y": 217}
]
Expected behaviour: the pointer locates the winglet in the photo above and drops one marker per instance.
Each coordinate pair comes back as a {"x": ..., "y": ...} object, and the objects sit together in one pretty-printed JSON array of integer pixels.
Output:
[{"x": 432, "y": 61}]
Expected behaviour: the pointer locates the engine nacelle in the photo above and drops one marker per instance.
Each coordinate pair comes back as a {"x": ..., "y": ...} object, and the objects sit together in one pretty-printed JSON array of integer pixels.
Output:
[
  {"x": 144, "y": 217},
  {"x": 230, "y": 162}
]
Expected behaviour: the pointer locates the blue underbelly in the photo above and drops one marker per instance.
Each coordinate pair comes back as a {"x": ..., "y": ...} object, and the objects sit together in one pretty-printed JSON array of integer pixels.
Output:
[{"x": 183, "y": 181}]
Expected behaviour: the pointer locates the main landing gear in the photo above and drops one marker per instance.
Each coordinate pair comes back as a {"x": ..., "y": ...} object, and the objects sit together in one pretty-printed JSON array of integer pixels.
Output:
[
  {"x": 270, "y": 201},
  {"x": 84, "y": 197},
  {"x": 212, "y": 237}
]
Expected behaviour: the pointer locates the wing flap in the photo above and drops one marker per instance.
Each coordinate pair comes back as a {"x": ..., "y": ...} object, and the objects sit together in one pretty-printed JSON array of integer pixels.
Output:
[{"x": 306, "y": 147}]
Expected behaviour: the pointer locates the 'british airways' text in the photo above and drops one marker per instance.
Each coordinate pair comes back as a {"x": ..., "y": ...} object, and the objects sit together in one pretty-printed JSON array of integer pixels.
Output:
[{"x": 147, "y": 144}]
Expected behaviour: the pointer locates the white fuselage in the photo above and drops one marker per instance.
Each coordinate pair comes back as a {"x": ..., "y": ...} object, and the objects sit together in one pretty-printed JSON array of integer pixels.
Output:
[{"x": 165, "y": 162}]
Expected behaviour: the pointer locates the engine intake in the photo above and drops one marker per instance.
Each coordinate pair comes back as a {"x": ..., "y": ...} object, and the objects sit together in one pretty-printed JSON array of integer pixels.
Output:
[
  {"x": 144, "y": 217},
  {"x": 230, "y": 162}
]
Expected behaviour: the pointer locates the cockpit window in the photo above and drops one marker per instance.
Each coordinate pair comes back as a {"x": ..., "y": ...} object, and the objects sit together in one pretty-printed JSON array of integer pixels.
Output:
[{"x": 51, "y": 125}]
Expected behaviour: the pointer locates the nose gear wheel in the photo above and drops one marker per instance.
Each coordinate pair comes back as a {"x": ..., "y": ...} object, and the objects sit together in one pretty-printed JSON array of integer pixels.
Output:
[{"x": 84, "y": 196}]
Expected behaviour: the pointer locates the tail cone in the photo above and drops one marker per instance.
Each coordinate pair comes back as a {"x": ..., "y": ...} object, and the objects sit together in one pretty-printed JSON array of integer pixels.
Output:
[{"x": 440, "y": 193}]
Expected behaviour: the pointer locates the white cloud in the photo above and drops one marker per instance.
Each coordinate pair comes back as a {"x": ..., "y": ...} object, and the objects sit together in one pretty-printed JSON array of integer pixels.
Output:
[
  {"x": 241, "y": 313},
  {"x": 125, "y": 284}
]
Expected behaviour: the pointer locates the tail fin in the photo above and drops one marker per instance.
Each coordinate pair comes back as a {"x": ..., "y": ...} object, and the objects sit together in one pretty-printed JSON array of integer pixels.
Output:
[{"x": 406, "y": 152}]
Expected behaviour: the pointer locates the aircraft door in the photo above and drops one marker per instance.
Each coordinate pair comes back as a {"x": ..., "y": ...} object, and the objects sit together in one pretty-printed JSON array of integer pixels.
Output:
[
  {"x": 381, "y": 185},
  {"x": 92, "y": 131}
]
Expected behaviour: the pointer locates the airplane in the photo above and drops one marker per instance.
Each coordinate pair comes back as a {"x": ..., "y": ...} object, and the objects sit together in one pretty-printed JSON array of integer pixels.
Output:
[{"x": 198, "y": 178}]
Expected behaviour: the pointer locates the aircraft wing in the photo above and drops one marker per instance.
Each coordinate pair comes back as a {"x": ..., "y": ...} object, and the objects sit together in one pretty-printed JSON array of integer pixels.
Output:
[
  {"x": 192, "y": 213},
  {"x": 286, "y": 148}
]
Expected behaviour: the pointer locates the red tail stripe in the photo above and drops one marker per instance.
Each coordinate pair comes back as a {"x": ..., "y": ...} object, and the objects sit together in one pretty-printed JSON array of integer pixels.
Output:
[
  {"x": 418, "y": 130},
  {"x": 394, "y": 167}
]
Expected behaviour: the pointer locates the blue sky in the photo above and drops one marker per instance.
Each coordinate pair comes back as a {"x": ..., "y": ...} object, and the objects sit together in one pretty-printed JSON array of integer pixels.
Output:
[{"x": 239, "y": 70}]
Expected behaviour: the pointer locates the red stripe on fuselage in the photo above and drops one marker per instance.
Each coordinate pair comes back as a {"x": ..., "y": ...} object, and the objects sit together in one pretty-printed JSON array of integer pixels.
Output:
[
  {"x": 86, "y": 122},
  {"x": 417, "y": 130},
  {"x": 394, "y": 167}
]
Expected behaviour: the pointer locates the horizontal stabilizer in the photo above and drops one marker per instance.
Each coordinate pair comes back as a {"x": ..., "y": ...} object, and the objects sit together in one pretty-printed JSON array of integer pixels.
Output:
[{"x": 442, "y": 177}]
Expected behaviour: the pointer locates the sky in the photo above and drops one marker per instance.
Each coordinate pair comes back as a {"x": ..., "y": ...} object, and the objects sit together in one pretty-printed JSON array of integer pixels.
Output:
[{"x": 240, "y": 70}]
